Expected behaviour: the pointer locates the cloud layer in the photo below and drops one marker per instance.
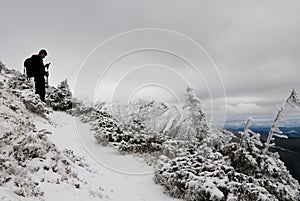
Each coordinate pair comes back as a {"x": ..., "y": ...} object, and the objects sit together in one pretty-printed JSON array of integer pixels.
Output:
[{"x": 255, "y": 44}]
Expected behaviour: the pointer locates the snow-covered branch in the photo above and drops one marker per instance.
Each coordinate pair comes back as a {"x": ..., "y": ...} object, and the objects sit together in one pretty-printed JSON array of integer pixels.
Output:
[{"x": 292, "y": 101}]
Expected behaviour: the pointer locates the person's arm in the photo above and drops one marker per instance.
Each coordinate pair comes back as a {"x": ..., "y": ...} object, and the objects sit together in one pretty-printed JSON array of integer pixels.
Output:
[{"x": 46, "y": 66}]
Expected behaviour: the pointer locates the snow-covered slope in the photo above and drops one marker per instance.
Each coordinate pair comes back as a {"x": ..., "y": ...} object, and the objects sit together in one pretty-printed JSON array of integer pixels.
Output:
[
  {"x": 43, "y": 157},
  {"x": 213, "y": 168},
  {"x": 47, "y": 154}
]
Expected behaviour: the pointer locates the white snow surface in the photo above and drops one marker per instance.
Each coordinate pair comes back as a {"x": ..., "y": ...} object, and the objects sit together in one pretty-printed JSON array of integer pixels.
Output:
[
  {"x": 51, "y": 155},
  {"x": 103, "y": 178},
  {"x": 100, "y": 173},
  {"x": 106, "y": 179}
]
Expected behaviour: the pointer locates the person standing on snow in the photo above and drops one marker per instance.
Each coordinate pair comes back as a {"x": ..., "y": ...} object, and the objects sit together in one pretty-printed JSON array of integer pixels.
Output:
[{"x": 39, "y": 73}]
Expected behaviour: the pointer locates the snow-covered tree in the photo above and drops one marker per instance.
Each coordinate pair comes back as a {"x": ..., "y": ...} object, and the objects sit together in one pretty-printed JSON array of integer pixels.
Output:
[
  {"x": 250, "y": 140},
  {"x": 60, "y": 98},
  {"x": 292, "y": 101},
  {"x": 245, "y": 134},
  {"x": 193, "y": 122},
  {"x": 227, "y": 172}
]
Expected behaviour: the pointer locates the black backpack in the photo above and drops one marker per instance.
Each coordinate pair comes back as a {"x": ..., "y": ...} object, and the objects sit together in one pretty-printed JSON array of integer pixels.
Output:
[{"x": 29, "y": 68}]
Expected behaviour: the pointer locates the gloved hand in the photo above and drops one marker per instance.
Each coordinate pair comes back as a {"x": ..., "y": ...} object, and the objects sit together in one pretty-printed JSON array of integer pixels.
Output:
[{"x": 47, "y": 65}]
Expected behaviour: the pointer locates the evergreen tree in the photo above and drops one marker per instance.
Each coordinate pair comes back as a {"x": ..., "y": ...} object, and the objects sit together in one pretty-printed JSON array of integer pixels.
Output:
[
  {"x": 193, "y": 122},
  {"x": 250, "y": 140}
]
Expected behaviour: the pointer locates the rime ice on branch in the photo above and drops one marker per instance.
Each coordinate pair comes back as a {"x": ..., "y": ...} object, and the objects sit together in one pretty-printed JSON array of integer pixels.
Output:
[
  {"x": 249, "y": 139},
  {"x": 292, "y": 101}
]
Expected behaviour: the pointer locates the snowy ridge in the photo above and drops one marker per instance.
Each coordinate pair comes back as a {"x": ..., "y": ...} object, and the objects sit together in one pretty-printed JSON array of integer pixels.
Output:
[
  {"x": 42, "y": 158},
  {"x": 27, "y": 156},
  {"x": 212, "y": 168},
  {"x": 191, "y": 160}
]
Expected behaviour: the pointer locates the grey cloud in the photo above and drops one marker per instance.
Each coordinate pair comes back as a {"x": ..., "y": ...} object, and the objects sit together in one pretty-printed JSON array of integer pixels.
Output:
[{"x": 255, "y": 44}]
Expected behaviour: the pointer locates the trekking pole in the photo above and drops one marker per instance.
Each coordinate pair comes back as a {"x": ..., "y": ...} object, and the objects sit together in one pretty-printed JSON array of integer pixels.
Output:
[
  {"x": 47, "y": 70},
  {"x": 46, "y": 82}
]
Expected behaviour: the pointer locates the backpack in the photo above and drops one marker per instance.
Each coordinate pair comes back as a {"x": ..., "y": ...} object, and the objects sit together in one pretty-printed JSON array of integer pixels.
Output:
[{"x": 29, "y": 68}]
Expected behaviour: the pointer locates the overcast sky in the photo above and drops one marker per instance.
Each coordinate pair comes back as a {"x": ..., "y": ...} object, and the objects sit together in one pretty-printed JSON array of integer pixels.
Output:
[{"x": 254, "y": 47}]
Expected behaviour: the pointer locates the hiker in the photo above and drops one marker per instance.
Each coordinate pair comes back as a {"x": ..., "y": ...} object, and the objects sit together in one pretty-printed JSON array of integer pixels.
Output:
[{"x": 39, "y": 73}]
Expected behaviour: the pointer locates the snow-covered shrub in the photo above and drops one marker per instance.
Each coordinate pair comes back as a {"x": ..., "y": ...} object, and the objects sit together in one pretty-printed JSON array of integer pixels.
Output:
[
  {"x": 142, "y": 110},
  {"x": 143, "y": 142},
  {"x": 140, "y": 139},
  {"x": 244, "y": 161},
  {"x": 1, "y": 85},
  {"x": 133, "y": 137},
  {"x": 33, "y": 103},
  {"x": 172, "y": 148},
  {"x": 146, "y": 126},
  {"x": 82, "y": 110},
  {"x": 80, "y": 161},
  {"x": 2, "y": 66},
  {"x": 250, "y": 140},
  {"x": 109, "y": 131},
  {"x": 106, "y": 128},
  {"x": 178, "y": 174},
  {"x": 127, "y": 140},
  {"x": 23, "y": 88},
  {"x": 60, "y": 98},
  {"x": 186, "y": 123},
  {"x": 27, "y": 188},
  {"x": 19, "y": 82},
  {"x": 25, "y": 154},
  {"x": 226, "y": 171},
  {"x": 33, "y": 146}
]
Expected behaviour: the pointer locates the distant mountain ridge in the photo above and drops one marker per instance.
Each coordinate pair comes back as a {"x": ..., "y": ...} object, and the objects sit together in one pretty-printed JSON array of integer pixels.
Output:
[{"x": 291, "y": 132}]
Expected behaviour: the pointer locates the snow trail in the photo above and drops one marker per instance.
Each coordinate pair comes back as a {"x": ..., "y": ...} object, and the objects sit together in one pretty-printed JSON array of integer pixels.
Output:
[{"x": 113, "y": 176}]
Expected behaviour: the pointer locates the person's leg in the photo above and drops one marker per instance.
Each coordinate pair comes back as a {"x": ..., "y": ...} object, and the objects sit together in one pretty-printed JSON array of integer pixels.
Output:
[
  {"x": 43, "y": 91},
  {"x": 40, "y": 88},
  {"x": 36, "y": 85}
]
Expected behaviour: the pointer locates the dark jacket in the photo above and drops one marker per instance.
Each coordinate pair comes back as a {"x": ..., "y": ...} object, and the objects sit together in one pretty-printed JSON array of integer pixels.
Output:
[{"x": 38, "y": 67}]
